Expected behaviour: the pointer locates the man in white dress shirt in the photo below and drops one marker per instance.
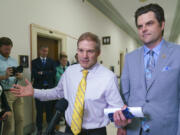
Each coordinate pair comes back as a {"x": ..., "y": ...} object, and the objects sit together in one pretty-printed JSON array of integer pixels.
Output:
[{"x": 101, "y": 88}]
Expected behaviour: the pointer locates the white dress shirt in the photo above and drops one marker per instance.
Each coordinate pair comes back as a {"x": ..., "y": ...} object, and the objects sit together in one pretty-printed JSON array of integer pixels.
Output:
[{"x": 101, "y": 92}]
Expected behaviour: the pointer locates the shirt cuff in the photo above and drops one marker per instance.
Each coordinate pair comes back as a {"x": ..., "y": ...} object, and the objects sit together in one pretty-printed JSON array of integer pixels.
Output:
[{"x": 37, "y": 93}]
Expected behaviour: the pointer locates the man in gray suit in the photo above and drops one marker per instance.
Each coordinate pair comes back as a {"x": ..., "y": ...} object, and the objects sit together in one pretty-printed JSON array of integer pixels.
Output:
[{"x": 151, "y": 79}]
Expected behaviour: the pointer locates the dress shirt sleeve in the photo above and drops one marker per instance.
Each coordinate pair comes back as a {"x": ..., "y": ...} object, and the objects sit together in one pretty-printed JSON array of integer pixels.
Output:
[
  {"x": 50, "y": 94},
  {"x": 124, "y": 83},
  {"x": 112, "y": 94}
]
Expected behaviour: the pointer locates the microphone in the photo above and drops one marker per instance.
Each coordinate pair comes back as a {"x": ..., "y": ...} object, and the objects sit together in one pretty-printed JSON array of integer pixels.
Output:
[{"x": 60, "y": 106}]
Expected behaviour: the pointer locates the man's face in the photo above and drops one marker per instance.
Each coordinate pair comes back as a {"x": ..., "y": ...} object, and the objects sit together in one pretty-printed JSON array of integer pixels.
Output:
[
  {"x": 87, "y": 53},
  {"x": 149, "y": 29},
  {"x": 43, "y": 52},
  {"x": 5, "y": 50},
  {"x": 63, "y": 61}
]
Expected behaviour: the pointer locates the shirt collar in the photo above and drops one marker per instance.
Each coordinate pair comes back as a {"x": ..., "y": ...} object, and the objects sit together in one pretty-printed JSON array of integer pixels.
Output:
[
  {"x": 90, "y": 70},
  {"x": 3, "y": 58},
  {"x": 42, "y": 58},
  {"x": 156, "y": 49}
]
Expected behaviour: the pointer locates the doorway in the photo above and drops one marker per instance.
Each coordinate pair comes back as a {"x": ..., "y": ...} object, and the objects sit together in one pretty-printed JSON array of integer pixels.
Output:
[{"x": 55, "y": 40}]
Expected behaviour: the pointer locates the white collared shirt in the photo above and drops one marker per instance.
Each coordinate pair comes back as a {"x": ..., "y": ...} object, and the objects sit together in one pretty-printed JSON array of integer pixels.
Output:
[{"x": 101, "y": 92}]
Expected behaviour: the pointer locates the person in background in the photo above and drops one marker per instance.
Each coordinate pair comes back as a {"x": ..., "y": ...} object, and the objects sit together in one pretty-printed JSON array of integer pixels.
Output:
[
  {"x": 151, "y": 78},
  {"x": 5, "y": 110},
  {"x": 15, "y": 122},
  {"x": 76, "y": 58},
  {"x": 43, "y": 77},
  {"x": 58, "y": 61},
  {"x": 62, "y": 67}
]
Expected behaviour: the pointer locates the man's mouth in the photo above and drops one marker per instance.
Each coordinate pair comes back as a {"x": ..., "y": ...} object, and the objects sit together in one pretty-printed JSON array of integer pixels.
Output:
[
  {"x": 145, "y": 35},
  {"x": 84, "y": 61}
]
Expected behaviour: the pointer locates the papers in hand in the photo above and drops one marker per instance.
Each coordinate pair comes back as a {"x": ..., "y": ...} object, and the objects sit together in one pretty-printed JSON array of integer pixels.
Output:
[{"x": 130, "y": 112}]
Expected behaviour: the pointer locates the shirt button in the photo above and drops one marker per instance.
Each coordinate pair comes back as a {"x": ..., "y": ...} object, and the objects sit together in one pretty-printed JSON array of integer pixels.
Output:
[{"x": 147, "y": 101}]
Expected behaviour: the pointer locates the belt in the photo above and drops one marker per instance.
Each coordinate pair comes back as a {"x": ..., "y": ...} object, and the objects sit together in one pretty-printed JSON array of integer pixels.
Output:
[
  {"x": 88, "y": 131},
  {"x": 92, "y": 130}
]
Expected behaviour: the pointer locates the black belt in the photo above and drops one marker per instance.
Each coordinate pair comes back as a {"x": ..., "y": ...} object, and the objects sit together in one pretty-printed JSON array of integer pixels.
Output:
[
  {"x": 92, "y": 130},
  {"x": 88, "y": 131}
]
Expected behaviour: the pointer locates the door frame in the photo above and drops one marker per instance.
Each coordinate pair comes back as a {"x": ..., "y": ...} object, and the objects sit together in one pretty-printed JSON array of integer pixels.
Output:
[
  {"x": 121, "y": 61},
  {"x": 36, "y": 30}
]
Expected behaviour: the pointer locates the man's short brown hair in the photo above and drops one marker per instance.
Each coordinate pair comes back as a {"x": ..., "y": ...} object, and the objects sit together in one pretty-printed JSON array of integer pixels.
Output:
[
  {"x": 90, "y": 37},
  {"x": 5, "y": 41}
]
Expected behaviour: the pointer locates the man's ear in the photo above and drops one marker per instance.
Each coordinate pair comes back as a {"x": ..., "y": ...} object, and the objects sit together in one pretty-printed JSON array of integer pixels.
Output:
[
  {"x": 99, "y": 52},
  {"x": 162, "y": 25}
]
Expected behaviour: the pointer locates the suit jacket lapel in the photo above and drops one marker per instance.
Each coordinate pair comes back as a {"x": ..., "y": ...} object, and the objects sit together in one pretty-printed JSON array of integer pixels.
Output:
[
  {"x": 141, "y": 63},
  {"x": 162, "y": 59},
  {"x": 39, "y": 61}
]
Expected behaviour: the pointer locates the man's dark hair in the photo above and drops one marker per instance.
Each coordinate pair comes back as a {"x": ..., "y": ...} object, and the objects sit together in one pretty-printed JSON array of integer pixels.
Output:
[
  {"x": 5, "y": 41},
  {"x": 158, "y": 11},
  {"x": 43, "y": 46}
]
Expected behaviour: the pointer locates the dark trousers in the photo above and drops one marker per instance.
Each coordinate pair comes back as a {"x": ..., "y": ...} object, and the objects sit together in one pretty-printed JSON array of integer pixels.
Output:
[
  {"x": 40, "y": 106},
  {"x": 97, "y": 131}
]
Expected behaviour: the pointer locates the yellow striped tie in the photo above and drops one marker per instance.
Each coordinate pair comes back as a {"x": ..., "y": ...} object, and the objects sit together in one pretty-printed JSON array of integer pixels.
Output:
[{"x": 77, "y": 116}]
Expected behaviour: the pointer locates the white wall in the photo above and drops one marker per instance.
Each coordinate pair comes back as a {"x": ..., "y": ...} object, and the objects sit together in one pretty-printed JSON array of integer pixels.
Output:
[
  {"x": 72, "y": 17},
  {"x": 178, "y": 40}
]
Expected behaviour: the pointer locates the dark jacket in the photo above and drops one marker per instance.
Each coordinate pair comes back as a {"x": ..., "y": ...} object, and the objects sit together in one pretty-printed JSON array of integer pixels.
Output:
[
  {"x": 4, "y": 103},
  {"x": 48, "y": 76}
]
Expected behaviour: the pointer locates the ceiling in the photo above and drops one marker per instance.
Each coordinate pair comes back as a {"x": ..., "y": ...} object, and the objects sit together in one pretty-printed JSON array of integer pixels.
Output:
[{"x": 121, "y": 12}]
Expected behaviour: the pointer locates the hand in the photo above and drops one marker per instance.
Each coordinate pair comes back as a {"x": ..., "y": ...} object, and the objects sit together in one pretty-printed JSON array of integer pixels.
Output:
[
  {"x": 121, "y": 131},
  {"x": 9, "y": 72},
  {"x": 40, "y": 73},
  {"x": 19, "y": 76},
  {"x": 6, "y": 114},
  {"x": 22, "y": 91},
  {"x": 120, "y": 119}
]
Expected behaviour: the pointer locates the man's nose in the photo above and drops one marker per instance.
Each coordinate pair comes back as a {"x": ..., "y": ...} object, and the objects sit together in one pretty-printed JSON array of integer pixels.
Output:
[
  {"x": 85, "y": 54},
  {"x": 144, "y": 28}
]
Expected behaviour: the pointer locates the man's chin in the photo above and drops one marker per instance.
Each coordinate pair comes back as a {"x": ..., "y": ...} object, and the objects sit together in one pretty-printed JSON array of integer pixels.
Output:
[{"x": 85, "y": 66}]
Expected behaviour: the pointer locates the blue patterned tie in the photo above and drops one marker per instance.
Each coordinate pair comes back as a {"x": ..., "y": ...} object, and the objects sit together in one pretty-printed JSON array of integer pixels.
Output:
[
  {"x": 150, "y": 66},
  {"x": 148, "y": 71},
  {"x": 43, "y": 61}
]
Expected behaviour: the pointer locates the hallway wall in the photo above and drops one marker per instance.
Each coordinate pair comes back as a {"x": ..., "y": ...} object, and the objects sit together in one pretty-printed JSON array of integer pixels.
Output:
[{"x": 72, "y": 17}]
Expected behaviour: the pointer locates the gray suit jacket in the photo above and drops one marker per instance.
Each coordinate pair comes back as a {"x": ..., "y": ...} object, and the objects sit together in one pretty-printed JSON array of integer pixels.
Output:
[{"x": 161, "y": 99}]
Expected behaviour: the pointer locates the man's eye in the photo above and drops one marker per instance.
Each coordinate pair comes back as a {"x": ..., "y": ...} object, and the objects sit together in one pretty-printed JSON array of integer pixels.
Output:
[
  {"x": 139, "y": 27},
  {"x": 80, "y": 50},
  {"x": 149, "y": 24},
  {"x": 91, "y": 51}
]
